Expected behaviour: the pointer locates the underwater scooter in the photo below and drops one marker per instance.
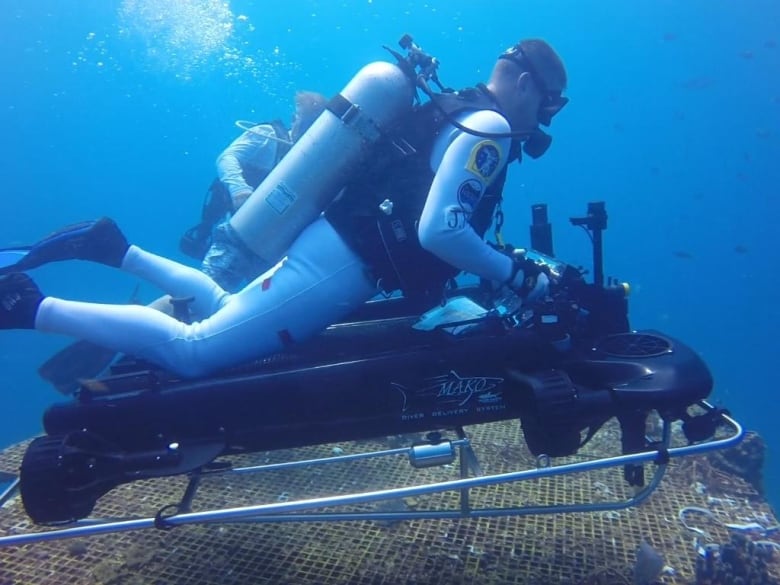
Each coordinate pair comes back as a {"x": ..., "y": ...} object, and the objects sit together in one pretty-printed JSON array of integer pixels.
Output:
[{"x": 562, "y": 366}]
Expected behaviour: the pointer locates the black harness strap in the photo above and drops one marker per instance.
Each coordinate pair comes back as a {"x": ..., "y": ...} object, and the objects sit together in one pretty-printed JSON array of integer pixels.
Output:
[{"x": 388, "y": 242}]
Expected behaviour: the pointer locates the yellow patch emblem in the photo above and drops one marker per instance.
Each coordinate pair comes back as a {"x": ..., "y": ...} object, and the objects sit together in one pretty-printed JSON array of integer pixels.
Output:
[{"x": 484, "y": 159}]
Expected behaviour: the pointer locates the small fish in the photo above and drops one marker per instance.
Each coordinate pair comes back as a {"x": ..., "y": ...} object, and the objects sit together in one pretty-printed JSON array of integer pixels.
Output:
[
  {"x": 741, "y": 249},
  {"x": 683, "y": 254}
]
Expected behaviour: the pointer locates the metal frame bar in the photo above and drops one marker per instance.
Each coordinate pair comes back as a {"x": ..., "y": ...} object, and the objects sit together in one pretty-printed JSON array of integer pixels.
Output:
[{"x": 305, "y": 510}]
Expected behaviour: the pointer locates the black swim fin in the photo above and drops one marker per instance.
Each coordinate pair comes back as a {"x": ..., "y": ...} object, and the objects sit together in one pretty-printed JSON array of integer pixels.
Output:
[
  {"x": 10, "y": 258},
  {"x": 96, "y": 240},
  {"x": 79, "y": 361}
]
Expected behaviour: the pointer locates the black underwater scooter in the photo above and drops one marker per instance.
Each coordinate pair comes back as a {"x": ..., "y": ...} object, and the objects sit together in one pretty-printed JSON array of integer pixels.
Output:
[{"x": 562, "y": 366}]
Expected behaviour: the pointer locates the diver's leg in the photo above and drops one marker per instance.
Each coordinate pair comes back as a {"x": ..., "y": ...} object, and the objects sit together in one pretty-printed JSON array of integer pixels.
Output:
[
  {"x": 102, "y": 241},
  {"x": 126, "y": 328},
  {"x": 319, "y": 282},
  {"x": 132, "y": 329},
  {"x": 178, "y": 280}
]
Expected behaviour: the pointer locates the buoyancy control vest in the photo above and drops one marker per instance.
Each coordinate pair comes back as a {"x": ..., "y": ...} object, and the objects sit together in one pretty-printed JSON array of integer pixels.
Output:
[
  {"x": 399, "y": 173},
  {"x": 217, "y": 203}
]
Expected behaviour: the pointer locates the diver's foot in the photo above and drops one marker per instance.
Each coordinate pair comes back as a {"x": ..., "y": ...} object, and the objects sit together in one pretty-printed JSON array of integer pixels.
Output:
[
  {"x": 19, "y": 300},
  {"x": 98, "y": 241}
]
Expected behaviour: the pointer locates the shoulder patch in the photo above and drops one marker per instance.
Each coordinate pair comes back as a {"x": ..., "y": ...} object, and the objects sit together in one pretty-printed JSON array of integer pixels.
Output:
[
  {"x": 469, "y": 194},
  {"x": 484, "y": 159}
]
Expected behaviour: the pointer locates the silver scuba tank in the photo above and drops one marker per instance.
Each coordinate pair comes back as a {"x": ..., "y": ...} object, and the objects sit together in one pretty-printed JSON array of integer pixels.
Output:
[{"x": 318, "y": 165}]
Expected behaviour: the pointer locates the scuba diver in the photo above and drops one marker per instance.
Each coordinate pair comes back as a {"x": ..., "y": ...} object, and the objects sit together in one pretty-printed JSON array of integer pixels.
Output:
[
  {"x": 241, "y": 167},
  {"x": 409, "y": 217}
]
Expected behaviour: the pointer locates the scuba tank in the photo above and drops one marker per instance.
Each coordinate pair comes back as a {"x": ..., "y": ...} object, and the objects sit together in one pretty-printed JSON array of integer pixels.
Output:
[
  {"x": 318, "y": 165},
  {"x": 338, "y": 144}
]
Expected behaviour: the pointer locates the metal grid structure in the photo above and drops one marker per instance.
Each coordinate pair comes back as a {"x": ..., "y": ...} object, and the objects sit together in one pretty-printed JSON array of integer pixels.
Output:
[{"x": 584, "y": 548}]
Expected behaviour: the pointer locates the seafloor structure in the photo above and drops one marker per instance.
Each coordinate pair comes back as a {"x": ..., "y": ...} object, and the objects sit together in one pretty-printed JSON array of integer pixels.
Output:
[{"x": 682, "y": 520}]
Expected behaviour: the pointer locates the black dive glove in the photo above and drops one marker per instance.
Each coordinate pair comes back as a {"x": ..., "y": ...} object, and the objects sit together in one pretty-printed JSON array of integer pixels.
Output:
[{"x": 528, "y": 280}]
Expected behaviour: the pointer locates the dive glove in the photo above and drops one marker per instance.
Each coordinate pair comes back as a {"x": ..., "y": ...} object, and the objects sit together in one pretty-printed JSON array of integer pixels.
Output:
[{"x": 528, "y": 280}]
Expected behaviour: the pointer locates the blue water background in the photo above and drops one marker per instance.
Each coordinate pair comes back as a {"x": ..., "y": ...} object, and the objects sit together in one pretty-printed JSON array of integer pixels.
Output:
[{"x": 120, "y": 108}]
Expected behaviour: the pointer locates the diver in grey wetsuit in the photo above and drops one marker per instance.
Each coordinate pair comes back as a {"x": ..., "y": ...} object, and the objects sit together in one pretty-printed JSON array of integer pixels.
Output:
[{"x": 323, "y": 277}]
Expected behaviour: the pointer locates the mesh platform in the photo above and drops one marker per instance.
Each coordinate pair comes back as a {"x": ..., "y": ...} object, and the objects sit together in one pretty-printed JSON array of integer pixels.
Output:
[{"x": 585, "y": 548}]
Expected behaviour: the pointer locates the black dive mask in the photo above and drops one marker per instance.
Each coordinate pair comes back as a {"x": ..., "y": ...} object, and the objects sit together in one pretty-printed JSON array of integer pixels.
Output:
[{"x": 552, "y": 100}]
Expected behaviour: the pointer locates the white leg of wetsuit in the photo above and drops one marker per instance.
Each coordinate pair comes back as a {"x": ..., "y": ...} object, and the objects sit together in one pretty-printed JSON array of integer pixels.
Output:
[
  {"x": 177, "y": 280},
  {"x": 319, "y": 282}
]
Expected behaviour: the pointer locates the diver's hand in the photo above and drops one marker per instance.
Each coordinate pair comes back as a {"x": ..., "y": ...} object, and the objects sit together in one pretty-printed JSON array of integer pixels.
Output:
[
  {"x": 240, "y": 198},
  {"x": 528, "y": 280},
  {"x": 540, "y": 288}
]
